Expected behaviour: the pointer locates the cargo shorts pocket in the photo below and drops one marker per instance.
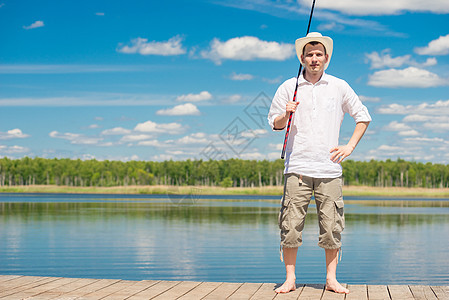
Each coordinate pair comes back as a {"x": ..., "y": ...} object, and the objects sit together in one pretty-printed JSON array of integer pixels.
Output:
[
  {"x": 339, "y": 216},
  {"x": 283, "y": 211}
]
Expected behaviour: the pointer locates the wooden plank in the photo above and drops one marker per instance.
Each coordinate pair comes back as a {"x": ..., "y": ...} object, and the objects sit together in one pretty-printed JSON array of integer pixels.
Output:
[
  {"x": 245, "y": 291},
  {"x": 201, "y": 291},
  {"x": 378, "y": 292},
  {"x": 62, "y": 291},
  {"x": 331, "y": 295},
  {"x": 177, "y": 291},
  {"x": 24, "y": 284},
  {"x": 8, "y": 277},
  {"x": 110, "y": 289},
  {"x": 442, "y": 292},
  {"x": 26, "y": 293},
  {"x": 131, "y": 290},
  {"x": 312, "y": 292},
  {"x": 291, "y": 295},
  {"x": 55, "y": 292},
  {"x": 18, "y": 282},
  {"x": 357, "y": 292},
  {"x": 422, "y": 292},
  {"x": 96, "y": 285},
  {"x": 265, "y": 292},
  {"x": 154, "y": 290},
  {"x": 223, "y": 291},
  {"x": 400, "y": 292}
]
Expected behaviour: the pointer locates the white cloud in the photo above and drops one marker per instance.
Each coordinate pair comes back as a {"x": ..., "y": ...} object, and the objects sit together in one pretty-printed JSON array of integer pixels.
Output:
[
  {"x": 152, "y": 127},
  {"x": 381, "y": 7},
  {"x": 153, "y": 143},
  {"x": 76, "y": 138},
  {"x": 410, "y": 77},
  {"x": 116, "y": 131},
  {"x": 439, "y": 108},
  {"x": 180, "y": 110},
  {"x": 36, "y": 24},
  {"x": 247, "y": 48},
  {"x": 241, "y": 76},
  {"x": 203, "y": 96},
  {"x": 194, "y": 139},
  {"x": 369, "y": 99},
  {"x": 396, "y": 126},
  {"x": 384, "y": 59},
  {"x": 13, "y": 149},
  {"x": 99, "y": 13},
  {"x": 141, "y": 46},
  {"x": 401, "y": 128},
  {"x": 439, "y": 46},
  {"x": 135, "y": 137},
  {"x": 232, "y": 99},
  {"x": 13, "y": 134}
]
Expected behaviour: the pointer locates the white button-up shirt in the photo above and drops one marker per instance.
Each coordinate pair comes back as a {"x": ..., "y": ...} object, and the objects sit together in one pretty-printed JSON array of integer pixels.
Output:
[{"x": 315, "y": 126}]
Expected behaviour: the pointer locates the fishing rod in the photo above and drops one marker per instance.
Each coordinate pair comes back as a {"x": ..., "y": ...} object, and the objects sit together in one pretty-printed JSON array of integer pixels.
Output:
[{"x": 287, "y": 132}]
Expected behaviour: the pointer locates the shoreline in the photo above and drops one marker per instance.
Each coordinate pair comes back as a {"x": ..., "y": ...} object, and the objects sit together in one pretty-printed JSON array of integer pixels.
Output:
[{"x": 208, "y": 190}]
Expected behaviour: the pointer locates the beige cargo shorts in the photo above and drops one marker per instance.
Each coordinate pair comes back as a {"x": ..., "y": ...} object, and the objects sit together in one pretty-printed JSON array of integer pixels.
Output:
[{"x": 298, "y": 191}]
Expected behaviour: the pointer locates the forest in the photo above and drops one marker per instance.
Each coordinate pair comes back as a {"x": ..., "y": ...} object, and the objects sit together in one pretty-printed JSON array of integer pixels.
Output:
[{"x": 225, "y": 173}]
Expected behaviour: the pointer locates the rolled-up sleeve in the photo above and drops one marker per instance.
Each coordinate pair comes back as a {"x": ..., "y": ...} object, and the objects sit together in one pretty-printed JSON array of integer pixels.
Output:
[
  {"x": 354, "y": 107},
  {"x": 278, "y": 104}
]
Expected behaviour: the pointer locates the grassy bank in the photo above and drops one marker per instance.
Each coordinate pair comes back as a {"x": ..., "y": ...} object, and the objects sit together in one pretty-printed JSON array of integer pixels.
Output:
[{"x": 206, "y": 190}]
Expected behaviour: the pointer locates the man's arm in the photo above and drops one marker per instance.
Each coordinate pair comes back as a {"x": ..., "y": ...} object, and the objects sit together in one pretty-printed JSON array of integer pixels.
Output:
[
  {"x": 341, "y": 152},
  {"x": 281, "y": 121}
]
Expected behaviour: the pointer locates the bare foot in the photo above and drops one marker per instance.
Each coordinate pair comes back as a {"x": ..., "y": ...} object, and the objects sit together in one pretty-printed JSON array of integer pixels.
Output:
[
  {"x": 334, "y": 286},
  {"x": 288, "y": 286}
]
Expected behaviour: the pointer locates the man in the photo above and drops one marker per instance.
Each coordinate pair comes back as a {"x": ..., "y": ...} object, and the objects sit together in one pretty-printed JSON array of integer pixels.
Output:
[{"x": 313, "y": 155}]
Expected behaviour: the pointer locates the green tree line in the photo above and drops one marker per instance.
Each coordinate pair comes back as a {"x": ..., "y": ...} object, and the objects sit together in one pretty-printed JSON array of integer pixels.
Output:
[{"x": 227, "y": 173}]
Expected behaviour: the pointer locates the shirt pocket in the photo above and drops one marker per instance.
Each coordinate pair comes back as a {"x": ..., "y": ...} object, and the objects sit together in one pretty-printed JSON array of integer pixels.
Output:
[{"x": 330, "y": 104}]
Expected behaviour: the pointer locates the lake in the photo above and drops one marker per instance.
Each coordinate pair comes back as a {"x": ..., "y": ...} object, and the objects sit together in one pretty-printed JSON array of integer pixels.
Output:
[{"x": 216, "y": 238}]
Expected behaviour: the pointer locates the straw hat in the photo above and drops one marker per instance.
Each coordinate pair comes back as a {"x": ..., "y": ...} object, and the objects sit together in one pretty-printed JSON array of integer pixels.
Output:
[{"x": 314, "y": 37}]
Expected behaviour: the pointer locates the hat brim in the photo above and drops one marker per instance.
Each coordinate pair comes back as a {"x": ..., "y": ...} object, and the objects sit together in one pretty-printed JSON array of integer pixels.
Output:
[{"x": 325, "y": 40}]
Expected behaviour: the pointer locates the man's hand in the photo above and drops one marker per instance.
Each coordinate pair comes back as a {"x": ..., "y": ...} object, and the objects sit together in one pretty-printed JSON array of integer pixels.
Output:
[
  {"x": 291, "y": 107},
  {"x": 340, "y": 153}
]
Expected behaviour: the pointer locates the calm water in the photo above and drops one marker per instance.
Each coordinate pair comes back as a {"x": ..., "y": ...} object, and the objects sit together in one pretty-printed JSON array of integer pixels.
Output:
[{"x": 221, "y": 239}]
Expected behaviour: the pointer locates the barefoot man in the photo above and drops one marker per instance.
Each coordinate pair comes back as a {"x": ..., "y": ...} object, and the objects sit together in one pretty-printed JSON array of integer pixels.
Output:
[{"x": 313, "y": 154}]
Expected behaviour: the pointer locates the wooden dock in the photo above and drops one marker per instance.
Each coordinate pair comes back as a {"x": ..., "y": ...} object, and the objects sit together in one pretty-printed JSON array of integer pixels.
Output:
[{"x": 31, "y": 287}]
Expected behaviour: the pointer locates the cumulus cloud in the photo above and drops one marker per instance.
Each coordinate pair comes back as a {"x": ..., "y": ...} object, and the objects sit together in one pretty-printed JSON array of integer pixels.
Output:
[
  {"x": 152, "y": 127},
  {"x": 241, "y": 77},
  {"x": 401, "y": 128},
  {"x": 369, "y": 99},
  {"x": 141, "y": 46},
  {"x": 381, "y": 7},
  {"x": 203, "y": 96},
  {"x": 116, "y": 131},
  {"x": 36, "y": 24},
  {"x": 13, "y": 149},
  {"x": 232, "y": 99},
  {"x": 13, "y": 134},
  {"x": 410, "y": 77},
  {"x": 76, "y": 138},
  {"x": 135, "y": 138},
  {"x": 187, "y": 109},
  {"x": 384, "y": 59},
  {"x": 439, "y": 108},
  {"x": 439, "y": 46},
  {"x": 194, "y": 139},
  {"x": 247, "y": 48}
]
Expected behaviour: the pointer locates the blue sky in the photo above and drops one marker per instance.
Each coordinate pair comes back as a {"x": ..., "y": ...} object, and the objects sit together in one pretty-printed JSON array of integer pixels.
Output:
[{"x": 159, "y": 80}]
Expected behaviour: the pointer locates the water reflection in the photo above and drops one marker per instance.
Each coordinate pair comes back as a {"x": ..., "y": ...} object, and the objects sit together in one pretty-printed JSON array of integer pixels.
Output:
[{"x": 216, "y": 240}]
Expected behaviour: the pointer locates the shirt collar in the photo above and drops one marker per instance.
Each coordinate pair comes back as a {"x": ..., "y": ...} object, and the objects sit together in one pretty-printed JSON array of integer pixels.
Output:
[{"x": 324, "y": 79}]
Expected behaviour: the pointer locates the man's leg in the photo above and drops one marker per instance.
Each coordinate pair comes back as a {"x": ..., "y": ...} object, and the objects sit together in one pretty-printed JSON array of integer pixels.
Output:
[
  {"x": 329, "y": 202},
  {"x": 331, "y": 272},
  {"x": 290, "y": 263}
]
